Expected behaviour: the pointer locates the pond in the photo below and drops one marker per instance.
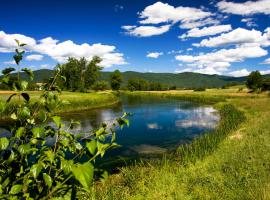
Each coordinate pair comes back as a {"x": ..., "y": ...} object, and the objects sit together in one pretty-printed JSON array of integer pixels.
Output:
[{"x": 157, "y": 125}]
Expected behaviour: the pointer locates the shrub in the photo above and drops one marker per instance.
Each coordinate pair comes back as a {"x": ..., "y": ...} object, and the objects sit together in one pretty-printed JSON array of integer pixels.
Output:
[
  {"x": 254, "y": 80},
  {"x": 30, "y": 168},
  {"x": 199, "y": 89},
  {"x": 100, "y": 85}
]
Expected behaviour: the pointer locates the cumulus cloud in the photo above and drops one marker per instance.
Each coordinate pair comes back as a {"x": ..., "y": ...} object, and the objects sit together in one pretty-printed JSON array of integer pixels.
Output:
[
  {"x": 266, "y": 61},
  {"x": 11, "y": 62},
  {"x": 218, "y": 62},
  {"x": 34, "y": 57},
  {"x": 60, "y": 51},
  {"x": 212, "y": 30},
  {"x": 146, "y": 31},
  {"x": 154, "y": 54},
  {"x": 237, "y": 37},
  {"x": 245, "y": 8},
  {"x": 159, "y": 12},
  {"x": 162, "y": 12},
  {"x": 239, "y": 73},
  {"x": 249, "y": 22}
]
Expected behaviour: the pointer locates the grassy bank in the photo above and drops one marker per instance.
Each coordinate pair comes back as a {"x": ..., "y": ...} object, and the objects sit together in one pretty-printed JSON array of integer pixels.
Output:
[
  {"x": 236, "y": 168},
  {"x": 76, "y": 101}
]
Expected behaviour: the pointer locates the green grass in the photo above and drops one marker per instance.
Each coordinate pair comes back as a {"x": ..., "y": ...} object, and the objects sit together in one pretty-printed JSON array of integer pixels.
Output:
[
  {"x": 76, "y": 101},
  {"x": 234, "y": 167}
]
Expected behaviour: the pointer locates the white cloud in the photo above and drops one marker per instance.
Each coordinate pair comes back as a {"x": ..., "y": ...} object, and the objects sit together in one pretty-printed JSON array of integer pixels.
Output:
[
  {"x": 12, "y": 62},
  {"x": 249, "y": 22},
  {"x": 146, "y": 31},
  {"x": 265, "y": 72},
  {"x": 162, "y": 12},
  {"x": 34, "y": 57},
  {"x": 159, "y": 12},
  {"x": 212, "y": 30},
  {"x": 154, "y": 54},
  {"x": 237, "y": 37},
  {"x": 266, "y": 61},
  {"x": 8, "y": 43},
  {"x": 218, "y": 62},
  {"x": 60, "y": 51},
  {"x": 189, "y": 49},
  {"x": 199, "y": 23},
  {"x": 239, "y": 73},
  {"x": 246, "y": 8},
  {"x": 44, "y": 66}
]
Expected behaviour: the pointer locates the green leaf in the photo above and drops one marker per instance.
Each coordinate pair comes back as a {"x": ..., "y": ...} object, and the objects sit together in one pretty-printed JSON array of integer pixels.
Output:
[
  {"x": 5, "y": 79},
  {"x": 92, "y": 146},
  {"x": 37, "y": 132},
  {"x": 29, "y": 73},
  {"x": 66, "y": 166},
  {"x": 36, "y": 169},
  {"x": 17, "y": 58},
  {"x": 8, "y": 70},
  {"x": 3, "y": 143},
  {"x": 47, "y": 179},
  {"x": 42, "y": 116},
  {"x": 84, "y": 173},
  {"x": 10, "y": 97},
  {"x": 100, "y": 131},
  {"x": 19, "y": 132},
  {"x": 15, "y": 189},
  {"x": 24, "y": 149},
  {"x": 57, "y": 121},
  {"x": 13, "y": 116},
  {"x": 50, "y": 155},
  {"x": 25, "y": 96},
  {"x": 23, "y": 85}
]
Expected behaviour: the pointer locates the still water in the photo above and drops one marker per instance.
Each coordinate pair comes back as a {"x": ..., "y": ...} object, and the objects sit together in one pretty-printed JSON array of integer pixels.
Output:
[{"x": 157, "y": 125}]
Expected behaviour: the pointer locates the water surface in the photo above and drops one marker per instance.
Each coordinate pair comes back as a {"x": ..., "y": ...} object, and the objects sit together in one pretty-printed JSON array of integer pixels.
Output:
[{"x": 156, "y": 125}]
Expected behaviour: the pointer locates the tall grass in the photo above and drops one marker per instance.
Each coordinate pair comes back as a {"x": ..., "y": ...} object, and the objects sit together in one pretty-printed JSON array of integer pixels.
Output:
[
  {"x": 207, "y": 143},
  {"x": 205, "y": 99}
]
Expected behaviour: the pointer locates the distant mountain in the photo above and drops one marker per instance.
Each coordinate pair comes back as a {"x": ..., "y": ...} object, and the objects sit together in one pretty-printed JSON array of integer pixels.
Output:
[{"x": 181, "y": 80}]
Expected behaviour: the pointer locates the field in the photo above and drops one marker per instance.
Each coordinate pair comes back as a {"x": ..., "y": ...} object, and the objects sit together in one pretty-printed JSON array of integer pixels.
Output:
[
  {"x": 231, "y": 163},
  {"x": 76, "y": 101},
  {"x": 238, "y": 167}
]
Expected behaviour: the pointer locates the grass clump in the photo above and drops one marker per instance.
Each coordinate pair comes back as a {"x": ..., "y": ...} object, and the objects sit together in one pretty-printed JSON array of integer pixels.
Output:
[{"x": 207, "y": 143}]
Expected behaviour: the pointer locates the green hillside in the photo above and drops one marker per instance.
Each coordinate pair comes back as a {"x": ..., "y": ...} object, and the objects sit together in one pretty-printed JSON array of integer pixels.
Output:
[{"x": 181, "y": 80}]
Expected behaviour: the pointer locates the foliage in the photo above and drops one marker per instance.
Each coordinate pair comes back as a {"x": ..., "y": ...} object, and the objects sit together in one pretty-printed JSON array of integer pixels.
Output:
[
  {"x": 100, "y": 86},
  {"x": 31, "y": 167},
  {"x": 116, "y": 80},
  {"x": 200, "y": 89},
  {"x": 254, "y": 80},
  {"x": 79, "y": 73},
  {"x": 138, "y": 84},
  {"x": 266, "y": 84}
]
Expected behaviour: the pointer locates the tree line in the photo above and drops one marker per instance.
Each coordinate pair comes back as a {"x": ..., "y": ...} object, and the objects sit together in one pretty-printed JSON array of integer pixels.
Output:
[
  {"x": 82, "y": 75},
  {"x": 256, "y": 83}
]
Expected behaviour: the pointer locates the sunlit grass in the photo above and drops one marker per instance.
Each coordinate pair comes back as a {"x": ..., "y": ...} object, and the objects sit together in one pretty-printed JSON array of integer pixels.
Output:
[{"x": 236, "y": 168}]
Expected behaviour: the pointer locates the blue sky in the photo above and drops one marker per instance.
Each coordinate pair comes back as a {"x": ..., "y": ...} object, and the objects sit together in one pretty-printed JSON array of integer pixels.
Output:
[{"x": 213, "y": 37}]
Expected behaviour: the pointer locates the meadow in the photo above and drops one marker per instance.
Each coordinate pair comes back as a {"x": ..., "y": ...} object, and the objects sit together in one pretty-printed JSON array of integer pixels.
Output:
[{"x": 233, "y": 163}]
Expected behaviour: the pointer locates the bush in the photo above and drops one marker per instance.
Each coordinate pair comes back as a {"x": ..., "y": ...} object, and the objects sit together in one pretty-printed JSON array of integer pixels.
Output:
[
  {"x": 30, "y": 168},
  {"x": 199, "y": 89},
  {"x": 100, "y": 85},
  {"x": 254, "y": 80}
]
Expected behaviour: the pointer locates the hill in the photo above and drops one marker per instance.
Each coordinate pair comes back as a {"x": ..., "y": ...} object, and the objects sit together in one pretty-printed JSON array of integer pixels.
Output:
[{"x": 181, "y": 80}]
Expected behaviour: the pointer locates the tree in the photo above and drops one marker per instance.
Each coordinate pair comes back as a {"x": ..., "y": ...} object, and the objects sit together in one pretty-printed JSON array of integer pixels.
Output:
[
  {"x": 92, "y": 71},
  {"x": 266, "y": 84},
  {"x": 254, "y": 80},
  {"x": 79, "y": 73},
  {"x": 116, "y": 80}
]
